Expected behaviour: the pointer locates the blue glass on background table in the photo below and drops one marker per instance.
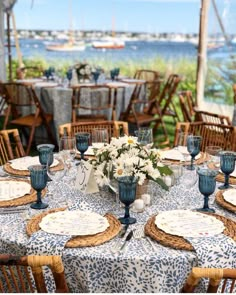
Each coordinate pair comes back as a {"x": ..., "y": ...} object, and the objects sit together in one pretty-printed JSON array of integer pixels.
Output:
[
  {"x": 69, "y": 75},
  {"x": 96, "y": 75},
  {"x": 127, "y": 193},
  {"x": 82, "y": 143},
  {"x": 206, "y": 185},
  {"x": 117, "y": 72},
  {"x": 193, "y": 147},
  {"x": 113, "y": 74},
  {"x": 227, "y": 166},
  {"x": 38, "y": 179}
]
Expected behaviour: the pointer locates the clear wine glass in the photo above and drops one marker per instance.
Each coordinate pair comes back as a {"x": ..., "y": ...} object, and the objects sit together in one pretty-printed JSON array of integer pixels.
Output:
[
  {"x": 182, "y": 145},
  {"x": 207, "y": 185},
  {"x": 82, "y": 142},
  {"x": 227, "y": 166},
  {"x": 213, "y": 156},
  {"x": 193, "y": 146},
  {"x": 145, "y": 136},
  {"x": 127, "y": 193},
  {"x": 100, "y": 137},
  {"x": 38, "y": 178},
  {"x": 67, "y": 150}
]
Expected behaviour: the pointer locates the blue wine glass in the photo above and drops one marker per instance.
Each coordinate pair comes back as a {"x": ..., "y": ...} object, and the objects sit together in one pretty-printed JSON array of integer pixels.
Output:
[
  {"x": 82, "y": 143},
  {"x": 117, "y": 72},
  {"x": 227, "y": 166},
  {"x": 38, "y": 178},
  {"x": 193, "y": 147},
  {"x": 46, "y": 155},
  {"x": 127, "y": 193},
  {"x": 47, "y": 74},
  {"x": 207, "y": 185},
  {"x": 113, "y": 74},
  {"x": 96, "y": 75},
  {"x": 69, "y": 75}
]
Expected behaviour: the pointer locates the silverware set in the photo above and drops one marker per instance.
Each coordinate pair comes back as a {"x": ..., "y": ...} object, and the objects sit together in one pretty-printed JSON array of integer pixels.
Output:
[{"x": 13, "y": 210}]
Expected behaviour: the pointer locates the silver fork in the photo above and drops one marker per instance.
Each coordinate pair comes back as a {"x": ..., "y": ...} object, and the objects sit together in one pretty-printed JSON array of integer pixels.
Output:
[{"x": 139, "y": 234}]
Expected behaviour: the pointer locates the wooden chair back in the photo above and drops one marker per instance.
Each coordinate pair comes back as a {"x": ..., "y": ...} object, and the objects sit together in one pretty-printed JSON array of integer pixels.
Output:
[
  {"x": 212, "y": 134},
  {"x": 234, "y": 90},
  {"x": 220, "y": 280},
  {"x": 25, "y": 111},
  {"x": 16, "y": 273},
  {"x": 191, "y": 113},
  {"x": 212, "y": 117},
  {"x": 92, "y": 103},
  {"x": 11, "y": 146},
  {"x": 187, "y": 105},
  {"x": 115, "y": 128},
  {"x": 167, "y": 93},
  {"x": 2, "y": 98}
]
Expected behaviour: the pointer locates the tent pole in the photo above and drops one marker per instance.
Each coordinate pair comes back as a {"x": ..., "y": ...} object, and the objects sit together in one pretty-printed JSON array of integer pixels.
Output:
[
  {"x": 202, "y": 51},
  {"x": 9, "y": 46}
]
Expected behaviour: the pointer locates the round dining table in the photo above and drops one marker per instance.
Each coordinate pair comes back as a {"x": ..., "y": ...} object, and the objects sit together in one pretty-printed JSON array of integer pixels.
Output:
[{"x": 142, "y": 266}]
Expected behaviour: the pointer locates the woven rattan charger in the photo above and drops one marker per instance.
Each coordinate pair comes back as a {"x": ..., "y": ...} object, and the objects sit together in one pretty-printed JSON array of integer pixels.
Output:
[
  {"x": 223, "y": 203},
  {"x": 26, "y": 199},
  {"x": 203, "y": 158},
  {"x": 7, "y": 167},
  {"x": 220, "y": 177},
  {"x": 80, "y": 241},
  {"x": 180, "y": 243}
]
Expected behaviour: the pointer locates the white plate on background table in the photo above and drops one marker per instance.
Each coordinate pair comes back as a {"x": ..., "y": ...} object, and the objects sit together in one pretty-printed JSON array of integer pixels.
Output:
[
  {"x": 187, "y": 223},
  {"x": 176, "y": 154},
  {"x": 46, "y": 84}
]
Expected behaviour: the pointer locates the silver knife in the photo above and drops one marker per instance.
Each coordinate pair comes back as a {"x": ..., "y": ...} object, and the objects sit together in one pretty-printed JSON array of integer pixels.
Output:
[{"x": 128, "y": 238}]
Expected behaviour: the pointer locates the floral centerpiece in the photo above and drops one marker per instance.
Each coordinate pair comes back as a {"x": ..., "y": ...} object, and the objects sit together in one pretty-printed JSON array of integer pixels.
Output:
[
  {"x": 126, "y": 157},
  {"x": 83, "y": 71}
]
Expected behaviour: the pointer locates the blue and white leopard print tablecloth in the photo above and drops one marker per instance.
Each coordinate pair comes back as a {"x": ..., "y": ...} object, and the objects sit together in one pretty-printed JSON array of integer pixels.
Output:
[{"x": 96, "y": 269}]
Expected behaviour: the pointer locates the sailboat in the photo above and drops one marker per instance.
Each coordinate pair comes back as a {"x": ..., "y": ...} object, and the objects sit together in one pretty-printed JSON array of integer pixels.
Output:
[
  {"x": 71, "y": 45},
  {"x": 110, "y": 42}
]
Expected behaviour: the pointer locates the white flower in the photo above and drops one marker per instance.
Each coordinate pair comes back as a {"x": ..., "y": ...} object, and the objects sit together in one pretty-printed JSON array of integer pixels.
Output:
[{"x": 126, "y": 157}]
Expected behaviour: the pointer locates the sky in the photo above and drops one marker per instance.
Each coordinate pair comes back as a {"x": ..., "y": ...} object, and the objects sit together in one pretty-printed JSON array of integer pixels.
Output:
[{"x": 151, "y": 16}]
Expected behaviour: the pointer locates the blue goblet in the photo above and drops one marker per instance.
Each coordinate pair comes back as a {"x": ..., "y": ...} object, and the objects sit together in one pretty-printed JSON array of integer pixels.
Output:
[
  {"x": 82, "y": 143},
  {"x": 113, "y": 74},
  {"x": 96, "y": 75},
  {"x": 207, "y": 185},
  {"x": 193, "y": 147},
  {"x": 69, "y": 75},
  {"x": 38, "y": 178},
  {"x": 227, "y": 166},
  {"x": 46, "y": 155},
  {"x": 117, "y": 72},
  {"x": 127, "y": 193}
]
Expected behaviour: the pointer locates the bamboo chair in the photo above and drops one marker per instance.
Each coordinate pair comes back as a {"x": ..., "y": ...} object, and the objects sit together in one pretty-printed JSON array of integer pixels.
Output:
[
  {"x": 215, "y": 276},
  {"x": 234, "y": 90},
  {"x": 212, "y": 134},
  {"x": 10, "y": 145},
  {"x": 115, "y": 128},
  {"x": 16, "y": 273},
  {"x": 95, "y": 106},
  {"x": 22, "y": 99},
  {"x": 191, "y": 113}
]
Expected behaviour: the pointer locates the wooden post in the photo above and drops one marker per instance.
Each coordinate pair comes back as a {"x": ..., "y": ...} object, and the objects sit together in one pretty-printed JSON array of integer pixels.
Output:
[
  {"x": 9, "y": 46},
  {"x": 202, "y": 50}
]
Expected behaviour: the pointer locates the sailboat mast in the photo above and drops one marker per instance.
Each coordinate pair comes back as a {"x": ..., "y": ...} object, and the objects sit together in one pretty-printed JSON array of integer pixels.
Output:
[{"x": 71, "y": 35}]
